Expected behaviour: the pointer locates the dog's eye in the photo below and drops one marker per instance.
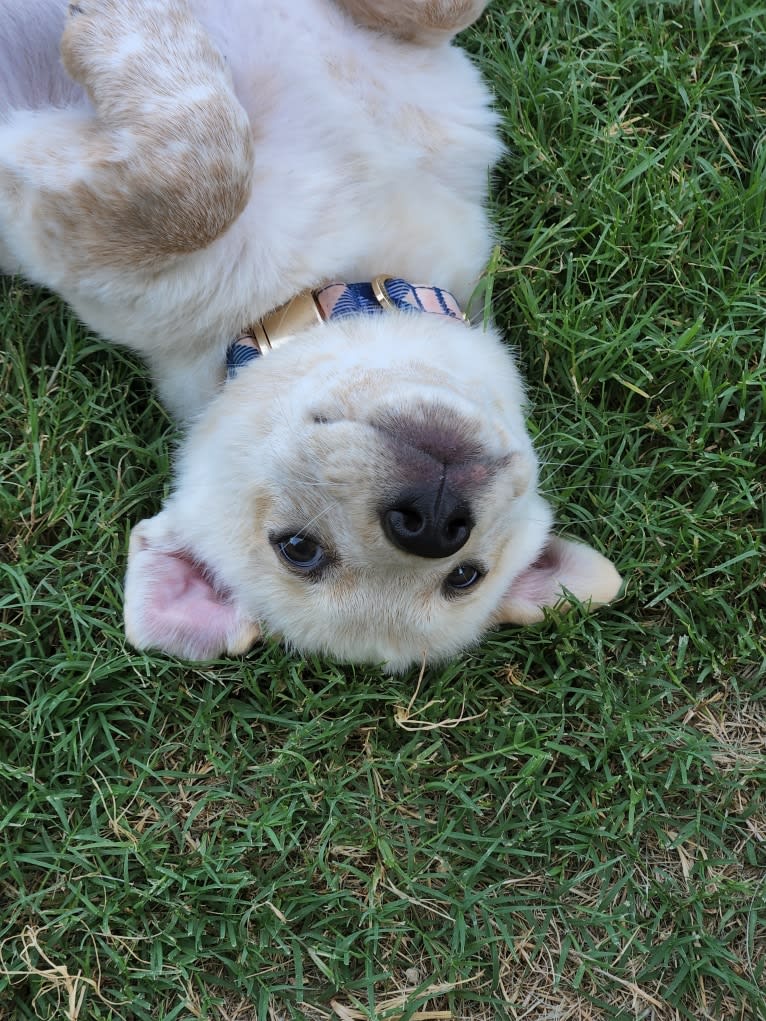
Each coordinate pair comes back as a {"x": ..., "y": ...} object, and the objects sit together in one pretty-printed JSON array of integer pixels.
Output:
[
  {"x": 301, "y": 552},
  {"x": 463, "y": 577}
]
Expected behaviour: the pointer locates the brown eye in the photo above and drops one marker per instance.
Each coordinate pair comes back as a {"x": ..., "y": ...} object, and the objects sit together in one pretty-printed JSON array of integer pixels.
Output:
[
  {"x": 301, "y": 552},
  {"x": 463, "y": 577}
]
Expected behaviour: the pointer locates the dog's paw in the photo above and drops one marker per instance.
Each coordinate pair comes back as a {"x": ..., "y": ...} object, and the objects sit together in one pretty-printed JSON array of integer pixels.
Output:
[
  {"x": 167, "y": 124},
  {"x": 123, "y": 50},
  {"x": 424, "y": 21}
]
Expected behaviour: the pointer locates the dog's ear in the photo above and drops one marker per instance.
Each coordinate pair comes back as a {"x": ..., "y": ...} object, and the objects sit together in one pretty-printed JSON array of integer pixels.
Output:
[
  {"x": 562, "y": 567},
  {"x": 171, "y": 604}
]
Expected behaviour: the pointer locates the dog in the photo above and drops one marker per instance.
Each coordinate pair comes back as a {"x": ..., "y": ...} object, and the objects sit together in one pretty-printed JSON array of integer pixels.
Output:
[{"x": 295, "y": 188}]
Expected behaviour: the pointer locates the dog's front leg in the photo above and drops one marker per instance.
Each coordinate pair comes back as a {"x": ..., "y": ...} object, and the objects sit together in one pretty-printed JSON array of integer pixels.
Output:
[{"x": 159, "y": 167}]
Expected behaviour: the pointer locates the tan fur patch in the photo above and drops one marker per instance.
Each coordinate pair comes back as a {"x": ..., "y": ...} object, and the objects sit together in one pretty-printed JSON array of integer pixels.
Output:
[
  {"x": 166, "y": 165},
  {"x": 425, "y": 21}
]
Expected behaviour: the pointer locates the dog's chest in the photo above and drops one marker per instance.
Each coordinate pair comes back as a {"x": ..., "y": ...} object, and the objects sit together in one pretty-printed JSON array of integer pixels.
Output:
[{"x": 361, "y": 142}]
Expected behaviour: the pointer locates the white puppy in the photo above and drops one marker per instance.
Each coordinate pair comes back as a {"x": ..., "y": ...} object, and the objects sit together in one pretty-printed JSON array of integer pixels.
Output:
[{"x": 368, "y": 488}]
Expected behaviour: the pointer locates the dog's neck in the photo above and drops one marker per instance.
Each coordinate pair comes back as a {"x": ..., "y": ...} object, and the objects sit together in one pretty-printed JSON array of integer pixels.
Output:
[{"x": 335, "y": 301}]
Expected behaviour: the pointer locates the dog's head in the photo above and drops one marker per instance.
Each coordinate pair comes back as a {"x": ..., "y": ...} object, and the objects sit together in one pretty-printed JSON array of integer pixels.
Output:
[{"x": 368, "y": 491}]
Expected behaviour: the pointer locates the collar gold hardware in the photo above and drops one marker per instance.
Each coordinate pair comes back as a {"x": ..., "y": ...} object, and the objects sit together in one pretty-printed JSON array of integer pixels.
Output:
[{"x": 285, "y": 322}]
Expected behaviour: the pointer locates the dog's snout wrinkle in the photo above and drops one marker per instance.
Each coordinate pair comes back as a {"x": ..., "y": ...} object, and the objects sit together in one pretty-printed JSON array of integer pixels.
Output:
[{"x": 435, "y": 430}]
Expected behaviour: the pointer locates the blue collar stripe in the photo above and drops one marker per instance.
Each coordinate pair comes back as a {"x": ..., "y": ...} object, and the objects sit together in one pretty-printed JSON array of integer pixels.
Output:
[
  {"x": 238, "y": 356},
  {"x": 359, "y": 299}
]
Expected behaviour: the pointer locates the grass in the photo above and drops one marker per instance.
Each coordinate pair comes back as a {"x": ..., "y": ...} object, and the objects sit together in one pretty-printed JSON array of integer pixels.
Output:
[{"x": 567, "y": 823}]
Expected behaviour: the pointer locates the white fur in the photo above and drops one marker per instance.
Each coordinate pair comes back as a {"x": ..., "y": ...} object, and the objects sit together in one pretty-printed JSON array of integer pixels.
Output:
[{"x": 370, "y": 154}]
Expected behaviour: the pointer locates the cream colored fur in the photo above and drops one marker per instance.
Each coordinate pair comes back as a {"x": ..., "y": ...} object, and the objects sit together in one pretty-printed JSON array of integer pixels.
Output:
[{"x": 199, "y": 164}]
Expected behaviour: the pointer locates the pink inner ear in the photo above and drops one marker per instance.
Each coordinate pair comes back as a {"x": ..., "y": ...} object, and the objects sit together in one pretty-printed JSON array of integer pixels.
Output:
[
  {"x": 563, "y": 564},
  {"x": 538, "y": 584},
  {"x": 182, "y": 596},
  {"x": 176, "y": 609}
]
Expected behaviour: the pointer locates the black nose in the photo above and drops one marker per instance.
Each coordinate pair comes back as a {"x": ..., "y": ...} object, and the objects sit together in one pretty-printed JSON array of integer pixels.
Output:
[{"x": 429, "y": 521}]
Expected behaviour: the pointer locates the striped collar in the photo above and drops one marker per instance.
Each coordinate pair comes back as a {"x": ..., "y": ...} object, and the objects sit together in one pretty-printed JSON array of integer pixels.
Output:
[{"x": 336, "y": 301}]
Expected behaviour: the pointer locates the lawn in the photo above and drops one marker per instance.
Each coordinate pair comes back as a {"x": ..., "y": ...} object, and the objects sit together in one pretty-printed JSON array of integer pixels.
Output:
[{"x": 567, "y": 823}]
